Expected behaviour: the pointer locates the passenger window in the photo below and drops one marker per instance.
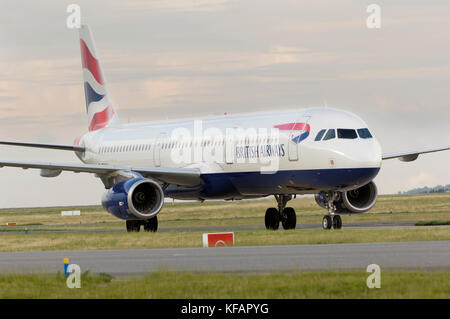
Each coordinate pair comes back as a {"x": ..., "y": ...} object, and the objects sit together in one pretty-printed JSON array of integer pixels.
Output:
[
  {"x": 346, "y": 133},
  {"x": 330, "y": 135},
  {"x": 364, "y": 133},
  {"x": 320, "y": 135}
]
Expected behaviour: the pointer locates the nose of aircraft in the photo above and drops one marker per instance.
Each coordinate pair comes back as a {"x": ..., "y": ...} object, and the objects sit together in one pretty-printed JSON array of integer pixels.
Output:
[
  {"x": 365, "y": 159},
  {"x": 360, "y": 153},
  {"x": 367, "y": 153},
  {"x": 360, "y": 160}
]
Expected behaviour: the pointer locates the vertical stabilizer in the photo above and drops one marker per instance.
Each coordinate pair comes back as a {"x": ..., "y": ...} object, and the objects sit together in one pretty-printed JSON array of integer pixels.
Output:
[{"x": 99, "y": 105}]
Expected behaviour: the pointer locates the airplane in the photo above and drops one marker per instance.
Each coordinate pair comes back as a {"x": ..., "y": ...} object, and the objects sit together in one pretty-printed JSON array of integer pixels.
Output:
[{"x": 327, "y": 152}]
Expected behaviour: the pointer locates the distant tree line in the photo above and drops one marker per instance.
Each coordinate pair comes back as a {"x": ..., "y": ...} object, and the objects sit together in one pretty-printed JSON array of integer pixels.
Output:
[{"x": 428, "y": 190}]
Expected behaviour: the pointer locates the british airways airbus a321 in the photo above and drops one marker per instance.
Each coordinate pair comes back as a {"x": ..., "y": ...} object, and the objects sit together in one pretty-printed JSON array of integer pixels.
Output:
[{"x": 326, "y": 152}]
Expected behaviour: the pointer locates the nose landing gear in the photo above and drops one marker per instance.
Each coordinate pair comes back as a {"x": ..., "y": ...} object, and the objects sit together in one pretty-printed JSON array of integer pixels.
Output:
[
  {"x": 332, "y": 220},
  {"x": 337, "y": 222}
]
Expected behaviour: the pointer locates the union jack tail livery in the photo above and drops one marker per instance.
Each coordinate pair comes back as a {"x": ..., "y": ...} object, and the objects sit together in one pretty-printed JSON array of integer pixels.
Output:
[{"x": 99, "y": 106}]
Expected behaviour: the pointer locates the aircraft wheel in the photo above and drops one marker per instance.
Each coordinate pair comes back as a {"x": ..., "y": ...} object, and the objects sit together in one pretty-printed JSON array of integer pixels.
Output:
[
  {"x": 337, "y": 222},
  {"x": 326, "y": 222},
  {"x": 133, "y": 225},
  {"x": 272, "y": 219},
  {"x": 291, "y": 219},
  {"x": 151, "y": 224}
]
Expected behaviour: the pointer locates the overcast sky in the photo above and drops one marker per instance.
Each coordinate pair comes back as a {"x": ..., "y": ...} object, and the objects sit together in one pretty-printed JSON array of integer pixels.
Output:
[{"x": 179, "y": 58}]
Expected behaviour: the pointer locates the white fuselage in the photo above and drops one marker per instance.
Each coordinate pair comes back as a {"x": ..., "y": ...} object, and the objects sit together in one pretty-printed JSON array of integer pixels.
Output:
[{"x": 279, "y": 146}]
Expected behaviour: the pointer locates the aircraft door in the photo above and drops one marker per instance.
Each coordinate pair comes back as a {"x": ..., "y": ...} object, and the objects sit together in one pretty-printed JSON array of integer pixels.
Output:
[
  {"x": 298, "y": 132},
  {"x": 157, "y": 150}
]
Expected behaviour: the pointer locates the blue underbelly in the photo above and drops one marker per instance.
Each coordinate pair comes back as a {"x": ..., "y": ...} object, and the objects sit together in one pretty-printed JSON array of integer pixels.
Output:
[{"x": 249, "y": 184}]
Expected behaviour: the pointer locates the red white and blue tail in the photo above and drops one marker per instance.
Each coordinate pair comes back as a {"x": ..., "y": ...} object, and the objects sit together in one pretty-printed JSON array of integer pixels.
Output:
[{"x": 99, "y": 106}]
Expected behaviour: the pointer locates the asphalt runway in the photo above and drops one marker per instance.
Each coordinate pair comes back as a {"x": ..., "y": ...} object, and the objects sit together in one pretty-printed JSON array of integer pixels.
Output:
[
  {"x": 298, "y": 226},
  {"x": 382, "y": 224},
  {"x": 135, "y": 262}
]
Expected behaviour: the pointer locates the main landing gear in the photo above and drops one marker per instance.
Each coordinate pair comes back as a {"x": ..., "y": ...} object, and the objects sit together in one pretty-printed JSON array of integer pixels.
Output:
[
  {"x": 331, "y": 220},
  {"x": 285, "y": 215},
  {"x": 150, "y": 225}
]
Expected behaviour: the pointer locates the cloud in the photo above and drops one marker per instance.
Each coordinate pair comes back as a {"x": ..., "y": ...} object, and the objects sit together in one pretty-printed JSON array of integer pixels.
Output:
[
  {"x": 182, "y": 58},
  {"x": 385, "y": 103},
  {"x": 178, "y": 5},
  {"x": 399, "y": 73},
  {"x": 218, "y": 62},
  {"x": 8, "y": 90}
]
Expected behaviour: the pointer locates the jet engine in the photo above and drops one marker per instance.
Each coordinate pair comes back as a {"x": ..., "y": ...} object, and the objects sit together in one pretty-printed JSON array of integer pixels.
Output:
[
  {"x": 354, "y": 201},
  {"x": 137, "y": 198}
]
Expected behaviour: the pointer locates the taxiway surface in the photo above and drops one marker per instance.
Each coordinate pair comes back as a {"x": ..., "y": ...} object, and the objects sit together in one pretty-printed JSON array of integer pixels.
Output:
[{"x": 134, "y": 262}]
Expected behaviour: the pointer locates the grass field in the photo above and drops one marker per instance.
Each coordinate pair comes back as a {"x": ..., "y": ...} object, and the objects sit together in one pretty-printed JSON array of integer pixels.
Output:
[
  {"x": 317, "y": 284},
  {"x": 96, "y": 229},
  {"x": 246, "y": 212},
  {"x": 108, "y": 240},
  {"x": 420, "y": 208}
]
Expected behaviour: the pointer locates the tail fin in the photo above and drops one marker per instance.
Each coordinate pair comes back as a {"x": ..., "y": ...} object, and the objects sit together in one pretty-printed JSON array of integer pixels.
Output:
[{"x": 99, "y": 106}]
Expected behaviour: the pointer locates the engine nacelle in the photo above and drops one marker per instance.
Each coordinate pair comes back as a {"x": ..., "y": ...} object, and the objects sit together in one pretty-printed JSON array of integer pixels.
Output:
[
  {"x": 360, "y": 200},
  {"x": 45, "y": 172},
  {"x": 137, "y": 198},
  {"x": 355, "y": 201}
]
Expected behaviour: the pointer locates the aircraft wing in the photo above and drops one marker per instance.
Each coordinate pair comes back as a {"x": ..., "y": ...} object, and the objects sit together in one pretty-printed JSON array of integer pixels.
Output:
[
  {"x": 178, "y": 176},
  {"x": 409, "y": 156},
  {"x": 50, "y": 146}
]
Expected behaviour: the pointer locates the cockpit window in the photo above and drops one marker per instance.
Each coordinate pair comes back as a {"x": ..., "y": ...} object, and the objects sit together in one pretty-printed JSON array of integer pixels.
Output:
[
  {"x": 346, "y": 133},
  {"x": 330, "y": 135},
  {"x": 364, "y": 133},
  {"x": 320, "y": 135}
]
